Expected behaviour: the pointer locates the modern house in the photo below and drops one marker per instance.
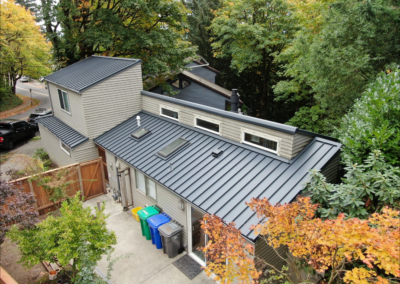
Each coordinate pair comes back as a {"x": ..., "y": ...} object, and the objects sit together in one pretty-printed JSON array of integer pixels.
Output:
[
  {"x": 197, "y": 85},
  {"x": 188, "y": 159}
]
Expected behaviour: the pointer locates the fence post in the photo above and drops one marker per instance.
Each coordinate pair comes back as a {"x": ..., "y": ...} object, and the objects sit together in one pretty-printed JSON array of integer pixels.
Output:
[
  {"x": 33, "y": 192},
  {"x": 102, "y": 174},
  {"x": 80, "y": 181}
]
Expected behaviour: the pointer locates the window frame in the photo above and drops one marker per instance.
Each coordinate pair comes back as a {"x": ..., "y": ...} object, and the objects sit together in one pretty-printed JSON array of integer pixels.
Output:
[
  {"x": 208, "y": 120},
  {"x": 63, "y": 94},
  {"x": 146, "y": 179},
  {"x": 261, "y": 135},
  {"x": 62, "y": 148},
  {"x": 170, "y": 109}
]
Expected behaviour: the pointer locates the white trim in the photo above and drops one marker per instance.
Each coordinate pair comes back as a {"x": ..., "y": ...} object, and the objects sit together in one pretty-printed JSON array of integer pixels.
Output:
[
  {"x": 189, "y": 235},
  {"x": 262, "y": 135},
  {"x": 69, "y": 103},
  {"x": 208, "y": 120},
  {"x": 62, "y": 148},
  {"x": 171, "y": 109}
]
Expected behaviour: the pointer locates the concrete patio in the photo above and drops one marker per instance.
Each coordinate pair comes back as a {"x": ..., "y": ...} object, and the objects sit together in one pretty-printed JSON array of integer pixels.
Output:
[{"x": 146, "y": 264}]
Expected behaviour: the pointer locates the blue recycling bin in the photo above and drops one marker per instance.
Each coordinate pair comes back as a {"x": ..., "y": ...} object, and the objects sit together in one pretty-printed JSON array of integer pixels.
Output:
[{"x": 155, "y": 222}]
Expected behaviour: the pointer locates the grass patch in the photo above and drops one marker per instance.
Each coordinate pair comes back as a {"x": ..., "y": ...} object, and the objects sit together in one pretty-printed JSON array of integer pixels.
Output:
[
  {"x": 36, "y": 138},
  {"x": 10, "y": 102},
  {"x": 4, "y": 157}
]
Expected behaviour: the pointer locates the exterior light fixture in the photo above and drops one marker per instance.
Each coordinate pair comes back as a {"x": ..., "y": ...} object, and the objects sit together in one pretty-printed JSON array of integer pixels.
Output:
[{"x": 181, "y": 205}]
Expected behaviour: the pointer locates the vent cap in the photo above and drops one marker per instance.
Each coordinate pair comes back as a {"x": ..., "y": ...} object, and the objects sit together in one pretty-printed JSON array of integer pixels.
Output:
[{"x": 217, "y": 152}]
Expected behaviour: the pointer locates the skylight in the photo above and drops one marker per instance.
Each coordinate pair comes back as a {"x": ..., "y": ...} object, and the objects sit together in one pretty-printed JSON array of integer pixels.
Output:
[
  {"x": 172, "y": 147},
  {"x": 140, "y": 133}
]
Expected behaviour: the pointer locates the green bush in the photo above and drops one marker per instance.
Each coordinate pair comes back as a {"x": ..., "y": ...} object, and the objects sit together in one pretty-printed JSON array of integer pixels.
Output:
[
  {"x": 374, "y": 122},
  {"x": 41, "y": 154}
]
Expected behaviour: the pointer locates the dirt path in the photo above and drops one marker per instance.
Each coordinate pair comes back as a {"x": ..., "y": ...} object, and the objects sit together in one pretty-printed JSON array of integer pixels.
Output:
[
  {"x": 9, "y": 256},
  {"x": 26, "y": 105}
]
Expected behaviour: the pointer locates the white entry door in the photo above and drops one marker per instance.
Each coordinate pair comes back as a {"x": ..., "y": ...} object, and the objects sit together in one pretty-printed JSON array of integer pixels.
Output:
[{"x": 196, "y": 236}]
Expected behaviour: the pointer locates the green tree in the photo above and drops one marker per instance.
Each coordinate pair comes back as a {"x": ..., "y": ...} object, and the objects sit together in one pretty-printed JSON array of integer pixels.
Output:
[
  {"x": 374, "y": 121},
  {"x": 253, "y": 33},
  {"x": 335, "y": 56},
  {"x": 199, "y": 19},
  {"x": 23, "y": 48},
  {"x": 60, "y": 239},
  {"x": 29, "y": 5},
  {"x": 366, "y": 188},
  {"x": 151, "y": 30}
]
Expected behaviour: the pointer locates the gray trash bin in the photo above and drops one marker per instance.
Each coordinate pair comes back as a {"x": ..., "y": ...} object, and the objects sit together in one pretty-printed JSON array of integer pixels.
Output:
[{"x": 171, "y": 238}]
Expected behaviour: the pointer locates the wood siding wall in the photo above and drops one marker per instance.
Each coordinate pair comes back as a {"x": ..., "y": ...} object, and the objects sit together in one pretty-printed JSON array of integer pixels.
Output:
[
  {"x": 230, "y": 128},
  {"x": 112, "y": 175},
  {"x": 330, "y": 170},
  {"x": 52, "y": 146},
  {"x": 112, "y": 101},
  {"x": 77, "y": 117}
]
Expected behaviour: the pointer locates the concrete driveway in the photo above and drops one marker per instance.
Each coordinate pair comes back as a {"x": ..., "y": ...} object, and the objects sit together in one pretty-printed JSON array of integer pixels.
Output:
[{"x": 146, "y": 264}]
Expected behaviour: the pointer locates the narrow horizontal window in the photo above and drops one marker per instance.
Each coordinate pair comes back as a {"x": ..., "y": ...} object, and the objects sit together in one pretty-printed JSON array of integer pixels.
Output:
[
  {"x": 140, "y": 133},
  {"x": 172, "y": 147},
  {"x": 261, "y": 141},
  {"x": 169, "y": 113},
  {"x": 207, "y": 125}
]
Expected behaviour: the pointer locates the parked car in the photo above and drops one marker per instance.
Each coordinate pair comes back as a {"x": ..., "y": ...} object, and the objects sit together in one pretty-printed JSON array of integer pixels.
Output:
[
  {"x": 12, "y": 130},
  {"x": 24, "y": 79},
  {"x": 38, "y": 113}
]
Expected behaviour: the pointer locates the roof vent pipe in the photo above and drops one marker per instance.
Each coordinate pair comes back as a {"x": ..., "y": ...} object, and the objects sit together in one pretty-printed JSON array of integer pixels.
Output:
[
  {"x": 138, "y": 120},
  {"x": 235, "y": 101}
]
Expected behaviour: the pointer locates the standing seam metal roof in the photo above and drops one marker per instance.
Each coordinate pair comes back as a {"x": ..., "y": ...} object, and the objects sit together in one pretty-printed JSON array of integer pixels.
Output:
[
  {"x": 90, "y": 71},
  {"x": 220, "y": 185},
  {"x": 62, "y": 131}
]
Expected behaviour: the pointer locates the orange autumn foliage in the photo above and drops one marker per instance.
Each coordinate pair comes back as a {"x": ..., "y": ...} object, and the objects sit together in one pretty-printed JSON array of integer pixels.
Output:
[
  {"x": 228, "y": 255},
  {"x": 333, "y": 243}
]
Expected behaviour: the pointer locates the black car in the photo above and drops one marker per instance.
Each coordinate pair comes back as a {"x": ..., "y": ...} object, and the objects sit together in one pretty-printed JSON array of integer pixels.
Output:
[
  {"x": 12, "y": 130},
  {"x": 38, "y": 112}
]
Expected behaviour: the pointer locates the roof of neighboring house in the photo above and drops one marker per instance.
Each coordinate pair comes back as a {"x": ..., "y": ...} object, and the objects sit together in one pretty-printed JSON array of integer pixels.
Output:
[
  {"x": 206, "y": 66},
  {"x": 219, "y": 185},
  {"x": 62, "y": 131},
  {"x": 90, "y": 71},
  {"x": 208, "y": 84}
]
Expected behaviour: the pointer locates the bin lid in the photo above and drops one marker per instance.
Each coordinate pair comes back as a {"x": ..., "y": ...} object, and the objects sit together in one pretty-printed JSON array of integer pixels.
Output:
[
  {"x": 147, "y": 212},
  {"x": 158, "y": 220},
  {"x": 169, "y": 229}
]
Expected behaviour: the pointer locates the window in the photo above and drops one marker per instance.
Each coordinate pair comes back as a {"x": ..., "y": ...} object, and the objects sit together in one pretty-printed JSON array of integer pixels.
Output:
[
  {"x": 169, "y": 112},
  {"x": 146, "y": 185},
  {"x": 261, "y": 140},
  {"x": 172, "y": 147},
  {"x": 64, "y": 100},
  {"x": 180, "y": 84},
  {"x": 207, "y": 124},
  {"x": 140, "y": 133},
  {"x": 65, "y": 148}
]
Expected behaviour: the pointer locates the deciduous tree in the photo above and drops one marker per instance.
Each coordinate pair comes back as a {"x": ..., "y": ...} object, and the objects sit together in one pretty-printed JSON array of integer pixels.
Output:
[
  {"x": 23, "y": 48},
  {"x": 58, "y": 239}
]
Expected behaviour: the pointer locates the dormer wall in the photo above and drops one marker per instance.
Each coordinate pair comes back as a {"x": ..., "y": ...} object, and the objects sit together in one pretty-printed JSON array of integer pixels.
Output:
[{"x": 289, "y": 144}]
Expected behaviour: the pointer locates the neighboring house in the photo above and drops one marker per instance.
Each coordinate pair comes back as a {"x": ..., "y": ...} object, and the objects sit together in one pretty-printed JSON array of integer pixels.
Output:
[
  {"x": 198, "y": 86},
  {"x": 187, "y": 158}
]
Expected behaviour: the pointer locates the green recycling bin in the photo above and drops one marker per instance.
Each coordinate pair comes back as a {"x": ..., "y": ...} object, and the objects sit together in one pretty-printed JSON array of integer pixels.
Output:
[{"x": 144, "y": 214}]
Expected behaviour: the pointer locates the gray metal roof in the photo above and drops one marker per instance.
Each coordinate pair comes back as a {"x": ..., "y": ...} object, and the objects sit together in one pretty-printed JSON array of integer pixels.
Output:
[
  {"x": 62, "y": 131},
  {"x": 90, "y": 71},
  {"x": 220, "y": 185}
]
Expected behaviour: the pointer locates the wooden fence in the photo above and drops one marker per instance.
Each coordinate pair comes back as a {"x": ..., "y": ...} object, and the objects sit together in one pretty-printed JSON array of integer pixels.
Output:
[{"x": 87, "y": 178}]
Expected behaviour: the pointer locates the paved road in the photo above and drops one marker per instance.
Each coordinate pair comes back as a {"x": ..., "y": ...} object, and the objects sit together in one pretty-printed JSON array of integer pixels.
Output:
[{"x": 38, "y": 92}]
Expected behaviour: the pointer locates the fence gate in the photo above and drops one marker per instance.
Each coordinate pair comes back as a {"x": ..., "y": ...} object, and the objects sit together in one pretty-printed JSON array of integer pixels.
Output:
[{"x": 92, "y": 176}]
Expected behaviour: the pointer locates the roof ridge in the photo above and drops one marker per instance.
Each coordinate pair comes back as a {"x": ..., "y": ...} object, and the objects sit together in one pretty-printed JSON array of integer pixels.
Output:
[{"x": 112, "y": 57}]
